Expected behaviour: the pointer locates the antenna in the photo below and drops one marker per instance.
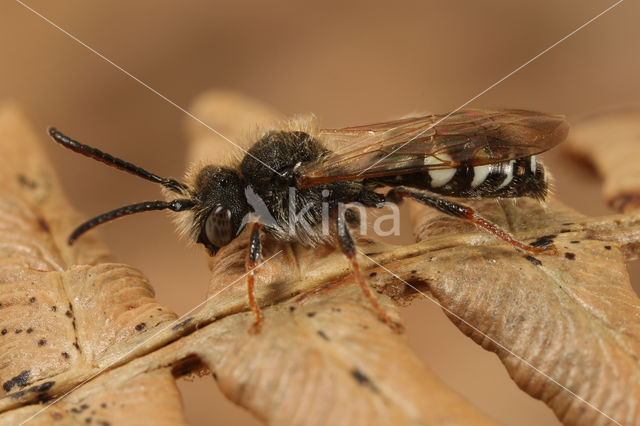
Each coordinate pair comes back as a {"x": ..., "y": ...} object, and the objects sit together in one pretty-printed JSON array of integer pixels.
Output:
[
  {"x": 112, "y": 161},
  {"x": 175, "y": 205},
  {"x": 171, "y": 184}
]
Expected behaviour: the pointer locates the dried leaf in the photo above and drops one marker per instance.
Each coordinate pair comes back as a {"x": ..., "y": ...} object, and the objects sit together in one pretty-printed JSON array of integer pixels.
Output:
[
  {"x": 326, "y": 359},
  {"x": 59, "y": 321},
  {"x": 564, "y": 326},
  {"x": 610, "y": 140}
]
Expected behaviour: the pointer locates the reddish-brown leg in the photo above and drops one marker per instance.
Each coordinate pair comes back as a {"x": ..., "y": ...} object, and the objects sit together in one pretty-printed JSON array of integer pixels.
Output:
[
  {"x": 465, "y": 212},
  {"x": 255, "y": 249},
  {"x": 504, "y": 235},
  {"x": 349, "y": 249}
]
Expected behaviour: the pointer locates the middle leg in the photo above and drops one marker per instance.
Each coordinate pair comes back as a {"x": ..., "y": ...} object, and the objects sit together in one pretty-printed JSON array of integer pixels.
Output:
[{"x": 349, "y": 249}]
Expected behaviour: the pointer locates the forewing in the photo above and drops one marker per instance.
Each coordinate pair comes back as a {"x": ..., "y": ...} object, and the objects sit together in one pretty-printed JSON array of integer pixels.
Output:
[{"x": 410, "y": 145}]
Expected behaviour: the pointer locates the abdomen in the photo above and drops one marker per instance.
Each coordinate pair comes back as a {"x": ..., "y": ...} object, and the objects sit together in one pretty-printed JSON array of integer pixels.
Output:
[{"x": 524, "y": 177}]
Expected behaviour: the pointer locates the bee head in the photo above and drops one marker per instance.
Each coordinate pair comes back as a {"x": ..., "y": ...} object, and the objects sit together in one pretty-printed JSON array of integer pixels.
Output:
[{"x": 221, "y": 209}]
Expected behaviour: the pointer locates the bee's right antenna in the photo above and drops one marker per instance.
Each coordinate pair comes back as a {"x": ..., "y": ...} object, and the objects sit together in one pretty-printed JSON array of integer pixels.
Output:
[{"x": 110, "y": 160}]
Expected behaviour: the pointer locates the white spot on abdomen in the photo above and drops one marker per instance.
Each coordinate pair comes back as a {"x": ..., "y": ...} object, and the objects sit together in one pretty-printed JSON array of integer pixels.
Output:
[
  {"x": 508, "y": 171},
  {"x": 480, "y": 173},
  {"x": 534, "y": 164},
  {"x": 439, "y": 177}
]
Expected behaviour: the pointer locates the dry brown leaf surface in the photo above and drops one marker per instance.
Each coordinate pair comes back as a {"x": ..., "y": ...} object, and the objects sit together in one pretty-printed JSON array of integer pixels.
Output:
[{"x": 562, "y": 325}]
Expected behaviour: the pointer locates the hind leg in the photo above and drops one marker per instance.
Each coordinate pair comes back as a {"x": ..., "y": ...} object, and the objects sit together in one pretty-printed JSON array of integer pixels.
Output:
[{"x": 464, "y": 212}]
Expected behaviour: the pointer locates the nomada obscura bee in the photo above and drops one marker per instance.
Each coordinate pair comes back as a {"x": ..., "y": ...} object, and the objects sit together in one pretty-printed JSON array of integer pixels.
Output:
[{"x": 466, "y": 154}]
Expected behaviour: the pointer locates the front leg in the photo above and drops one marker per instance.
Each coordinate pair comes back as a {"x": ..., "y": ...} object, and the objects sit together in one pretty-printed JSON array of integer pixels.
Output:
[
  {"x": 349, "y": 249},
  {"x": 464, "y": 212},
  {"x": 255, "y": 251}
]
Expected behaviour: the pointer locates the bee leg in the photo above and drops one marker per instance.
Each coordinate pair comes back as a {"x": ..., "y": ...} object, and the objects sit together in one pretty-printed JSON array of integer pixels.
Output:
[
  {"x": 255, "y": 250},
  {"x": 464, "y": 212},
  {"x": 349, "y": 249}
]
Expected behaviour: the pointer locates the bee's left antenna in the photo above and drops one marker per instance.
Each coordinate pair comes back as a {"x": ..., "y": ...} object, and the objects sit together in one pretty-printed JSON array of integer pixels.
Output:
[
  {"x": 110, "y": 160},
  {"x": 175, "y": 205}
]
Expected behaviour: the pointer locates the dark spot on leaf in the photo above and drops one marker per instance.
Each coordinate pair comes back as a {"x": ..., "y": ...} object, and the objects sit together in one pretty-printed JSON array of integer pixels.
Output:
[
  {"x": 543, "y": 241},
  {"x": 29, "y": 330},
  {"x": 292, "y": 308},
  {"x": 363, "y": 380},
  {"x": 68, "y": 314},
  {"x": 187, "y": 365},
  {"x": 567, "y": 224},
  {"x": 564, "y": 231},
  {"x": 130, "y": 307},
  {"x": 4, "y": 331},
  {"x": 18, "y": 395},
  {"x": 311, "y": 314},
  {"x": 215, "y": 376},
  {"x": 570, "y": 256},
  {"x": 21, "y": 380},
  {"x": 334, "y": 309},
  {"x": 18, "y": 331},
  {"x": 41, "y": 388},
  {"x": 534, "y": 260},
  {"x": 413, "y": 271},
  {"x": 607, "y": 247},
  {"x": 42, "y": 342},
  {"x": 141, "y": 326},
  {"x": 54, "y": 308},
  {"x": 373, "y": 274},
  {"x": 323, "y": 335},
  {"x": 182, "y": 324},
  {"x": 88, "y": 420},
  {"x": 103, "y": 405},
  {"x": 32, "y": 300},
  {"x": 75, "y": 344},
  {"x": 43, "y": 225},
  {"x": 25, "y": 181},
  {"x": 575, "y": 242},
  {"x": 65, "y": 355},
  {"x": 79, "y": 409}
]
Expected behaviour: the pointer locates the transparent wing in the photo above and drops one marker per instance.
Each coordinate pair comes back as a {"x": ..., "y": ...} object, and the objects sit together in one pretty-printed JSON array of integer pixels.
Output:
[{"x": 416, "y": 144}]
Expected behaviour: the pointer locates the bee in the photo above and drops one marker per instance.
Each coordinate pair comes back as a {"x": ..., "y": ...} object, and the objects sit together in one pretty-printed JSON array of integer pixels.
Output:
[{"x": 469, "y": 154}]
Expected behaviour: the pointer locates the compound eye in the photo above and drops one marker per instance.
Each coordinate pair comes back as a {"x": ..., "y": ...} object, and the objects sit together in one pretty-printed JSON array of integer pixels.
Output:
[{"x": 218, "y": 227}]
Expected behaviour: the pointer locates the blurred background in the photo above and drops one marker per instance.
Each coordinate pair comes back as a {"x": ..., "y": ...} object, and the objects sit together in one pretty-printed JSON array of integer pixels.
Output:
[{"x": 347, "y": 62}]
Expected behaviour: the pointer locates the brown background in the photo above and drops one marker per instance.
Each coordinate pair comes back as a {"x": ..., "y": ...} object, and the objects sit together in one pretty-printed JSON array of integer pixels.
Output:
[{"x": 348, "y": 63}]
